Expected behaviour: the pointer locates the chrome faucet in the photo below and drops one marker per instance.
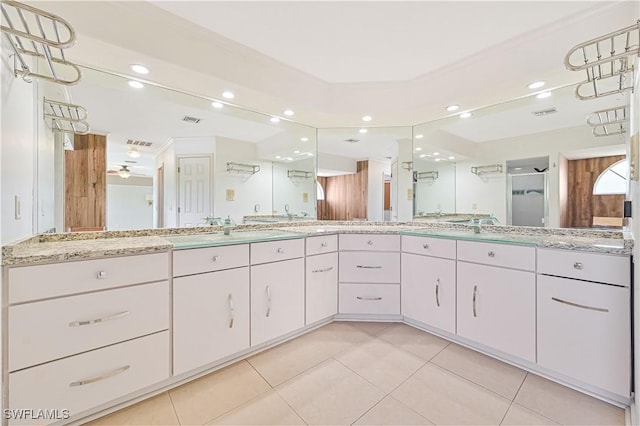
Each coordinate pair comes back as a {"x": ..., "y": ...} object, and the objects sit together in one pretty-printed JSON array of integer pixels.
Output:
[
  {"x": 476, "y": 225},
  {"x": 228, "y": 225}
]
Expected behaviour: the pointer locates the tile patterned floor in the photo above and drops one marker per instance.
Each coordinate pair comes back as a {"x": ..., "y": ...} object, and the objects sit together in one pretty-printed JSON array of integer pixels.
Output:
[{"x": 369, "y": 374}]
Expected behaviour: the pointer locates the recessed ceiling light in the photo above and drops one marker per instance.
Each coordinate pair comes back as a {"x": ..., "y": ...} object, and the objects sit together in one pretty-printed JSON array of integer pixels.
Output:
[
  {"x": 437, "y": 159},
  {"x": 419, "y": 136},
  {"x": 289, "y": 159},
  {"x": 418, "y": 149},
  {"x": 135, "y": 84},
  {"x": 543, "y": 95},
  {"x": 296, "y": 152},
  {"x": 140, "y": 69},
  {"x": 367, "y": 118},
  {"x": 288, "y": 112},
  {"x": 217, "y": 104},
  {"x": 453, "y": 107},
  {"x": 423, "y": 155},
  {"x": 304, "y": 139},
  {"x": 536, "y": 85},
  {"x": 278, "y": 157},
  {"x": 436, "y": 153},
  {"x": 465, "y": 115},
  {"x": 228, "y": 95},
  {"x": 310, "y": 154},
  {"x": 363, "y": 130},
  {"x": 451, "y": 157},
  {"x": 133, "y": 152},
  {"x": 274, "y": 119},
  {"x": 517, "y": 168}
]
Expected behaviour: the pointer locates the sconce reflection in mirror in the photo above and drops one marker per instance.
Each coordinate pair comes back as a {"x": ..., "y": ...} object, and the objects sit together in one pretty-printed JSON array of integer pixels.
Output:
[
  {"x": 608, "y": 122},
  {"x": 487, "y": 170},
  {"x": 425, "y": 176}
]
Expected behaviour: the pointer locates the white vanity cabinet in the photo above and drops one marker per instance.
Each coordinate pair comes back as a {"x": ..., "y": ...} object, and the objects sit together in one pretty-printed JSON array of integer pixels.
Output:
[
  {"x": 584, "y": 328},
  {"x": 277, "y": 289},
  {"x": 321, "y": 297},
  {"x": 210, "y": 310},
  {"x": 70, "y": 346},
  {"x": 428, "y": 282},
  {"x": 496, "y": 303},
  {"x": 369, "y": 277}
]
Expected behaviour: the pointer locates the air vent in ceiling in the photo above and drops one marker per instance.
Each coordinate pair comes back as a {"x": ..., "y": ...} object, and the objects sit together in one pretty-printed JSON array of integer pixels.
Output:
[
  {"x": 189, "y": 119},
  {"x": 130, "y": 161},
  {"x": 352, "y": 140},
  {"x": 138, "y": 143},
  {"x": 545, "y": 112}
]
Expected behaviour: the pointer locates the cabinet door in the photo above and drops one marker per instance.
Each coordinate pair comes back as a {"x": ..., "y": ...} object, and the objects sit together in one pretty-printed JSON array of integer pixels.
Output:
[
  {"x": 584, "y": 332},
  {"x": 429, "y": 290},
  {"x": 277, "y": 299},
  {"x": 210, "y": 317},
  {"x": 322, "y": 287},
  {"x": 496, "y": 307}
]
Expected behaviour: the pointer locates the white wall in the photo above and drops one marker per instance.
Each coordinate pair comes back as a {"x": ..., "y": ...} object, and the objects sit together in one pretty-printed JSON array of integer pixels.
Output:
[
  {"x": 375, "y": 189},
  {"x": 436, "y": 195},
  {"x": 402, "y": 198},
  {"x": 291, "y": 191},
  {"x": 127, "y": 206}
]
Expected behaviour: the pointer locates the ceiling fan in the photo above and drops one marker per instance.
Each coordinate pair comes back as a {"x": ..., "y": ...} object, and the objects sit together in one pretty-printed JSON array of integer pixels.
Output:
[{"x": 124, "y": 172}]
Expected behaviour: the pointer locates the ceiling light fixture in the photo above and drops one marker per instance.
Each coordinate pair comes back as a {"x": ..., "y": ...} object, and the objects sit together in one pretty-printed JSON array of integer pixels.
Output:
[
  {"x": 217, "y": 104},
  {"x": 228, "y": 95},
  {"x": 296, "y": 152},
  {"x": 140, "y": 69},
  {"x": 288, "y": 112},
  {"x": 453, "y": 108},
  {"x": 418, "y": 149},
  {"x": 124, "y": 172},
  {"x": 278, "y": 157},
  {"x": 133, "y": 152},
  {"x": 274, "y": 119},
  {"x": 451, "y": 157},
  {"x": 465, "y": 115},
  {"x": 423, "y": 155},
  {"x": 536, "y": 85},
  {"x": 310, "y": 154},
  {"x": 304, "y": 139},
  {"x": 363, "y": 130},
  {"x": 543, "y": 95},
  {"x": 437, "y": 159},
  {"x": 367, "y": 118},
  {"x": 517, "y": 168},
  {"x": 135, "y": 84},
  {"x": 419, "y": 136},
  {"x": 436, "y": 153}
]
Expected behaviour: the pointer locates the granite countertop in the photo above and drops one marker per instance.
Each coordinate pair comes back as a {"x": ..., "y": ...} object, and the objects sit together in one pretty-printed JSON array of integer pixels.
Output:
[{"x": 47, "y": 248}]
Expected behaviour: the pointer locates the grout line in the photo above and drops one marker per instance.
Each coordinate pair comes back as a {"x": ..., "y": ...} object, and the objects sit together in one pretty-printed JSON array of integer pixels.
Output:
[
  {"x": 174, "y": 407},
  {"x": 259, "y": 374},
  {"x": 514, "y": 398}
]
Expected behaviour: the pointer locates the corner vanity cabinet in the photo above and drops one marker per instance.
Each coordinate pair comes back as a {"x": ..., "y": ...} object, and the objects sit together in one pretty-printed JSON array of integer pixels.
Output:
[{"x": 80, "y": 333}]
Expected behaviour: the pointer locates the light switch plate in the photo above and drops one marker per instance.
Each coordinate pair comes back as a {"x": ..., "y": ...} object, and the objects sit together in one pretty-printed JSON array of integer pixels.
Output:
[
  {"x": 410, "y": 194},
  {"x": 231, "y": 195},
  {"x": 305, "y": 197},
  {"x": 17, "y": 207}
]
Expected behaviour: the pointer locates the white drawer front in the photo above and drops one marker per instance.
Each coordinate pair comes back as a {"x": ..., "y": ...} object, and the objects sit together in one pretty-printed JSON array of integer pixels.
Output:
[
  {"x": 112, "y": 372},
  {"x": 196, "y": 261},
  {"x": 504, "y": 255},
  {"x": 61, "y": 279},
  {"x": 273, "y": 251},
  {"x": 585, "y": 266},
  {"x": 370, "y": 242},
  {"x": 369, "y": 267},
  {"x": 438, "y": 247},
  {"x": 52, "y": 329},
  {"x": 322, "y": 244},
  {"x": 584, "y": 332},
  {"x": 321, "y": 287},
  {"x": 369, "y": 299}
]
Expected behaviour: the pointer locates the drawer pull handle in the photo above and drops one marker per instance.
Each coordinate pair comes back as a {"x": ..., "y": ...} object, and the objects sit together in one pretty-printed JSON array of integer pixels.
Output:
[
  {"x": 438, "y": 292},
  {"x": 425, "y": 246},
  {"x": 101, "y": 275},
  {"x": 491, "y": 254},
  {"x": 324, "y": 244},
  {"x": 577, "y": 305},
  {"x": 323, "y": 270},
  {"x": 370, "y": 242},
  {"x": 99, "y": 320},
  {"x": 368, "y": 267},
  {"x": 577, "y": 265},
  {"x": 231, "y": 309},
  {"x": 101, "y": 377},
  {"x": 475, "y": 296},
  {"x": 280, "y": 250},
  {"x": 215, "y": 258},
  {"x": 368, "y": 298},
  {"x": 268, "y": 289}
]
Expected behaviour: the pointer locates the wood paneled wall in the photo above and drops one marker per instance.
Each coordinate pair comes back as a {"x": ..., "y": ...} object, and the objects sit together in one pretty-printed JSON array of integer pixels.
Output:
[
  {"x": 85, "y": 175},
  {"x": 345, "y": 197},
  {"x": 582, "y": 205}
]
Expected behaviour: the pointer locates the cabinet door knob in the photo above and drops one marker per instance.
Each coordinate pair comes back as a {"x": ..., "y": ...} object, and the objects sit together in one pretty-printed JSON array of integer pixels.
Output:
[
  {"x": 324, "y": 244},
  {"x": 491, "y": 254},
  {"x": 101, "y": 275},
  {"x": 425, "y": 245},
  {"x": 215, "y": 258},
  {"x": 370, "y": 242},
  {"x": 280, "y": 250},
  {"x": 577, "y": 265}
]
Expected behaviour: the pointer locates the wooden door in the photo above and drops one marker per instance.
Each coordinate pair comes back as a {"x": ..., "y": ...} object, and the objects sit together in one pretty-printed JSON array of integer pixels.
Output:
[{"x": 194, "y": 190}]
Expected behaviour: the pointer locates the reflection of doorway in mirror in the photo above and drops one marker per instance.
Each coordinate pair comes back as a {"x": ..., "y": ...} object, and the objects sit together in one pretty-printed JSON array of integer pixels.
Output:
[
  {"x": 387, "y": 200},
  {"x": 159, "y": 207},
  {"x": 194, "y": 190}
]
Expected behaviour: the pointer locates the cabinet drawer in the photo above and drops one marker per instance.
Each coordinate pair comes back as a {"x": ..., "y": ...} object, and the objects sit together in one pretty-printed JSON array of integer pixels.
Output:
[
  {"x": 108, "y": 373},
  {"x": 321, "y": 287},
  {"x": 504, "y": 255},
  {"x": 196, "y": 261},
  {"x": 273, "y": 251},
  {"x": 438, "y": 247},
  {"x": 369, "y": 299},
  {"x": 370, "y": 242},
  {"x": 52, "y": 329},
  {"x": 369, "y": 267},
  {"x": 585, "y": 266},
  {"x": 584, "y": 332},
  {"x": 61, "y": 279},
  {"x": 323, "y": 244}
]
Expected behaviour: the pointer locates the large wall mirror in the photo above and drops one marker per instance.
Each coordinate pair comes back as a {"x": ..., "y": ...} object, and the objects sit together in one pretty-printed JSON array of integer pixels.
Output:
[
  {"x": 531, "y": 161},
  {"x": 172, "y": 160}
]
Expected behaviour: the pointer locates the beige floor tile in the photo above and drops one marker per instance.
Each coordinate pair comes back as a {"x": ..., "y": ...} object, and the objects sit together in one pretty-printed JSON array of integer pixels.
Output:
[
  {"x": 380, "y": 363},
  {"x": 565, "y": 405},
  {"x": 267, "y": 409},
  {"x": 518, "y": 415},
  {"x": 330, "y": 394},
  {"x": 337, "y": 336},
  {"x": 154, "y": 411},
  {"x": 447, "y": 399},
  {"x": 370, "y": 327},
  {"x": 419, "y": 343},
  {"x": 497, "y": 376},
  {"x": 390, "y": 411},
  {"x": 206, "y": 398}
]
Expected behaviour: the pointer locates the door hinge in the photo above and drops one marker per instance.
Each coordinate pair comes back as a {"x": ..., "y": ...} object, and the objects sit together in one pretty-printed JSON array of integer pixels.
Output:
[
  {"x": 178, "y": 209},
  {"x": 178, "y": 169}
]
